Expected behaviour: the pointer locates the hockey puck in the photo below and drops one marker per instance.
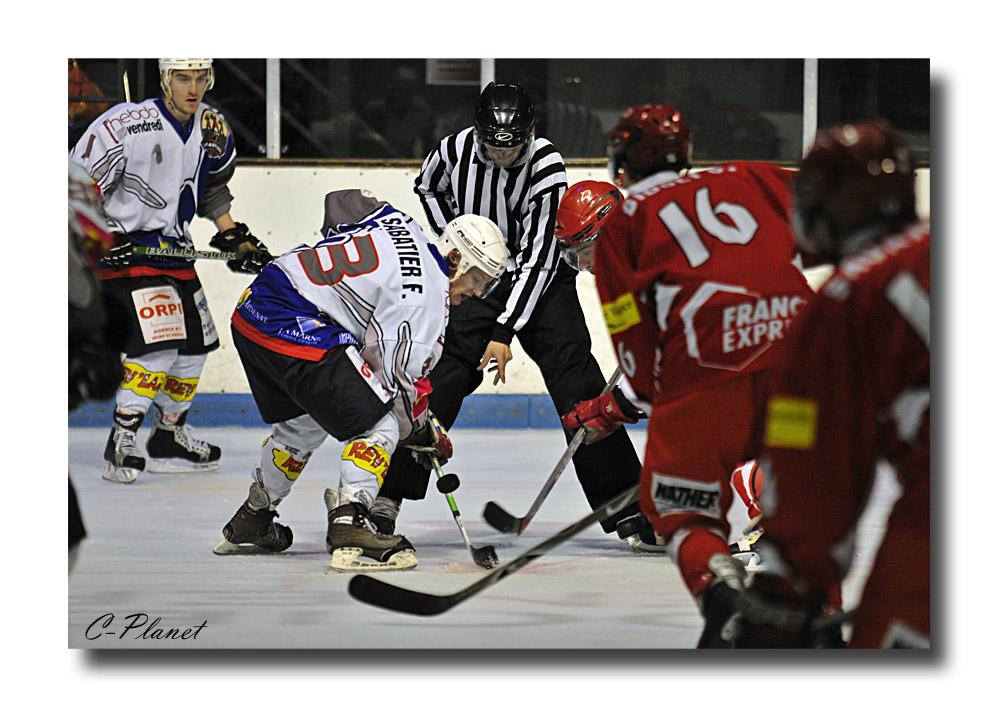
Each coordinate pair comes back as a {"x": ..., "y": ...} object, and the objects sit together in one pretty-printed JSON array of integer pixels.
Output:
[{"x": 448, "y": 483}]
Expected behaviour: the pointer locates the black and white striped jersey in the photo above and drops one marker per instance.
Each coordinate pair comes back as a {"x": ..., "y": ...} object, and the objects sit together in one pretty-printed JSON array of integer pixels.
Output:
[{"x": 457, "y": 178}]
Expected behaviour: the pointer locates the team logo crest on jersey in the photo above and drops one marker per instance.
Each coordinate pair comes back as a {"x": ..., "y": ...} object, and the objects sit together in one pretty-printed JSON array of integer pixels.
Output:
[{"x": 214, "y": 133}]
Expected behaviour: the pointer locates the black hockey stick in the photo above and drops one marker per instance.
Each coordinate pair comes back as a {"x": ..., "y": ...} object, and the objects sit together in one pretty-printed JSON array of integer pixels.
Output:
[
  {"x": 189, "y": 253},
  {"x": 512, "y": 525},
  {"x": 388, "y": 596},
  {"x": 485, "y": 556}
]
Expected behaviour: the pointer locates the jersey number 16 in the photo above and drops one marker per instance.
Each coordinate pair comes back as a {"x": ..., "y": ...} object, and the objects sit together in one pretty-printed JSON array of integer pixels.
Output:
[{"x": 686, "y": 235}]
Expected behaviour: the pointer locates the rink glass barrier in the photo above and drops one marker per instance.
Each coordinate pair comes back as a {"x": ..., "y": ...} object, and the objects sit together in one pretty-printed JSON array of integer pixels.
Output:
[{"x": 397, "y": 109}]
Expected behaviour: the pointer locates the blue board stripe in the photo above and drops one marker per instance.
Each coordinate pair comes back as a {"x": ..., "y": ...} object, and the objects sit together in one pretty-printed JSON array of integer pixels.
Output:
[{"x": 501, "y": 411}]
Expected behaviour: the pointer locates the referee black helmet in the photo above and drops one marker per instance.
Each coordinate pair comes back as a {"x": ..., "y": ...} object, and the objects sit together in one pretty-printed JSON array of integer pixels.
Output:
[{"x": 505, "y": 116}]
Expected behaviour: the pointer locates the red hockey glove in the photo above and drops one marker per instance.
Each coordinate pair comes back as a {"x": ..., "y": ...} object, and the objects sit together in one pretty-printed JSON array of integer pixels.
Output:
[
  {"x": 602, "y": 415},
  {"x": 433, "y": 440}
]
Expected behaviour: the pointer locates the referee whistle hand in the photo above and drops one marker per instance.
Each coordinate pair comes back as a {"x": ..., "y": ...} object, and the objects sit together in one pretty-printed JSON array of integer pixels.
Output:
[{"x": 499, "y": 354}]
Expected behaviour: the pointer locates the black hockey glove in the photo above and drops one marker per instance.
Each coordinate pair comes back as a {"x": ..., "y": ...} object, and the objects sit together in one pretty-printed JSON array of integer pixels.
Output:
[
  {"x": 775, "y": 616},
  {"x": 723, "y": 602},
  {"x": 239, "y": 240},
  {"x": 120, "y": 254}
]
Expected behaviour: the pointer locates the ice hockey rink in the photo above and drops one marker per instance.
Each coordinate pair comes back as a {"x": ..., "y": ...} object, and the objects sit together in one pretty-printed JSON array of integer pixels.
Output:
[{"x": 149, "y": 551}]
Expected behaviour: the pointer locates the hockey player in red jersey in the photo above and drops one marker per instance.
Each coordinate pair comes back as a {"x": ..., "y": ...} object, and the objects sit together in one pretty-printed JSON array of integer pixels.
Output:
[
  {"x": 697, "y": 283},
  {"x": 855, "y": 389},
  {"x": 583, "y": 211}
]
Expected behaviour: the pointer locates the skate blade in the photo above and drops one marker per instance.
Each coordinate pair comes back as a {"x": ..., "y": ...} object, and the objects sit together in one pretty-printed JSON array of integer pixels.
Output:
[
  {"x": 177, "y": 466},
  {"x": 227, "y": 548},
  {"x": 349, "y": 559},
  {"x": 750, "y": 560},
  {"x": 121, "y": 475},
  {"x": 642, "y": 548}
]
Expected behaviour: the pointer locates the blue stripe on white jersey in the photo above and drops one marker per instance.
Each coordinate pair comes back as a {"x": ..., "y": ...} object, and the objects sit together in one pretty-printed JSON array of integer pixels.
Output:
[{"x": 275, "y": 308}]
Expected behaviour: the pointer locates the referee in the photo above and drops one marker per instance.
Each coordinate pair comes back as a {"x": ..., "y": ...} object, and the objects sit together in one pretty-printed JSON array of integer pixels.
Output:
[{"x": 499, "y": 169}]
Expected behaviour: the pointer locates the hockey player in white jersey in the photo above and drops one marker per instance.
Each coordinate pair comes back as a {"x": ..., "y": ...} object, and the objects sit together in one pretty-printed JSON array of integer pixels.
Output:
[
  {"x": 337, "y": 339},
  {"x": 158, "y": 164}
]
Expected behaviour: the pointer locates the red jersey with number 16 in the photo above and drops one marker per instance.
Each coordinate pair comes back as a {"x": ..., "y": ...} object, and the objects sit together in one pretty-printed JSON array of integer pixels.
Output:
[{"x": 696, "y": 277}]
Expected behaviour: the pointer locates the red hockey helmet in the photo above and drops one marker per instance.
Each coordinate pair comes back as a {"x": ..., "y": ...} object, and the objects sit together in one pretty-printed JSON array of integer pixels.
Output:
[
  {"x": 582, "y": 212},
  {"x": 855, "y": 184},
  {"x": 648, "y": 139}
]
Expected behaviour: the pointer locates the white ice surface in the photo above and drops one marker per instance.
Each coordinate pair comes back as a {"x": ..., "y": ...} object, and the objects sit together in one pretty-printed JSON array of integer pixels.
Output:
[{"x": 149, "y": 550}]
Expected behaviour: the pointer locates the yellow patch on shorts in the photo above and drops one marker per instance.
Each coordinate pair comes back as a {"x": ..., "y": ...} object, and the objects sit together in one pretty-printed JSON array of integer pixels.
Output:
[{"x": 791, "y": 423}]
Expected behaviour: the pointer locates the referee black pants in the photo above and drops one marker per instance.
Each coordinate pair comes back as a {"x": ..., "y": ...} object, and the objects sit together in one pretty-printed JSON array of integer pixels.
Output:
[{"x": 557, "y": 340}]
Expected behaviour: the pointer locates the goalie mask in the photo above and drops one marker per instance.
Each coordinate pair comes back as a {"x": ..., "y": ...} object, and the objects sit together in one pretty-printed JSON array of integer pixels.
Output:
[
  {"x": 169, "y": 65},
  {"x": 481, "y": 245},
  {"x": 855, "y": 184},
  {"x": 583, "y": 211}
]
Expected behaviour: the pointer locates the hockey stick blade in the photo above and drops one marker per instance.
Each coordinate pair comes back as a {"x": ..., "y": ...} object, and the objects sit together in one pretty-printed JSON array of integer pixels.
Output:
[
  {"x": 408, "y": 601},
  {"x": 501, "y": 520},
  {"x": 512, "y": 525}
]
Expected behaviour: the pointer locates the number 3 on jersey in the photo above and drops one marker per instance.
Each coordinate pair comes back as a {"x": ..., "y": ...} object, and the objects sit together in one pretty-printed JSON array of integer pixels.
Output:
[
  {"x": 329, "y": 264},
  {"x": 684, "y": 232}
]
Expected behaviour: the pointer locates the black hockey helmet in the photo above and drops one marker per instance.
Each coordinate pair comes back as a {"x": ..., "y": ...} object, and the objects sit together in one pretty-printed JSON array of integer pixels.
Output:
[{"x": 505, "y": 116}]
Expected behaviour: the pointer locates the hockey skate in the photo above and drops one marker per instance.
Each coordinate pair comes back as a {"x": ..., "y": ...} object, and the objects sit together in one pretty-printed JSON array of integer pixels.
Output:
[
  {"x": 353, "y": 544},
  {"x": 174, "y": 449},
  {"x": 252, "y": 529},
  {"x": 123, "y": 461},
  {"x": 639, "y": 534},
  {"x": 744, "y": 549}
]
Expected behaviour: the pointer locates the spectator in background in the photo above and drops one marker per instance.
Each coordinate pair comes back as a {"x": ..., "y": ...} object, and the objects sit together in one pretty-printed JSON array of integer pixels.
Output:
[{"x": 81, "y": 113}]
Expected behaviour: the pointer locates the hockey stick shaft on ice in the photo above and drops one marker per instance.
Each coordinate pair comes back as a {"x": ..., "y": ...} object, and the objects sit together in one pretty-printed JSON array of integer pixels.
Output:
[
  {"x": 485, "y": 556},
  {"x": 512, "y": 525},
  {"x": 373, "y": 591},
  {"x": 189, "y": 253}
]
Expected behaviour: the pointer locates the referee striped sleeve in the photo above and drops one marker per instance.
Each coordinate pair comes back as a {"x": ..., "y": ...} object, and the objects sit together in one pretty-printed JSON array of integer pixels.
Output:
[
  {"x": 433, "y": 186},
  {"x": 535, "y": 265}
]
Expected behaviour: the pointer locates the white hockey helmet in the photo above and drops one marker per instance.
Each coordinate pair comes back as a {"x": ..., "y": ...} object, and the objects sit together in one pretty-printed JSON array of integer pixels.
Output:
[
  {"x": 168, "y": 65},
  {"x": 480, "y": 243}
]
